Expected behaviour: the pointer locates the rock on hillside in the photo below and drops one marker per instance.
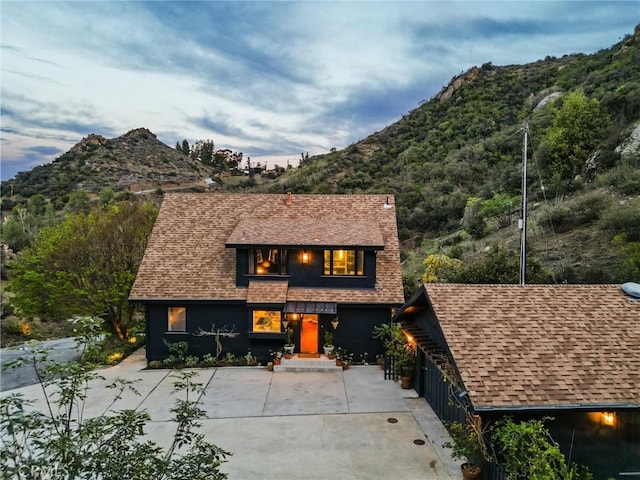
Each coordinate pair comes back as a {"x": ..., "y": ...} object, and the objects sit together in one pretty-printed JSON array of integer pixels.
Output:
[{"x": 134, "y": 161}]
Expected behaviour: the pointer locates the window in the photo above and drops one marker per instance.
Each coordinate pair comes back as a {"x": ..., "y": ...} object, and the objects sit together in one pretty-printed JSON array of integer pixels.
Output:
[
  {"x": 266, "y": 321},
  {"x": 344, "y": 262},
  {"x": 271, "y": 261},
  {"x": 177, "y": 319}
]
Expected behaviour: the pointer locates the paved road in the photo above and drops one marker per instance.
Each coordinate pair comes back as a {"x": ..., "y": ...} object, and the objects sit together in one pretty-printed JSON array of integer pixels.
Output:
[
  {"x": 62, "y": 350},
  {"x": 350, "y": 425}
]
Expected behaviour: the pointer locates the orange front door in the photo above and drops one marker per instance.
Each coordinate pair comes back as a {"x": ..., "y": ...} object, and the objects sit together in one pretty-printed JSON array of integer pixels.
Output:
[{"x": 309, "y": 334}]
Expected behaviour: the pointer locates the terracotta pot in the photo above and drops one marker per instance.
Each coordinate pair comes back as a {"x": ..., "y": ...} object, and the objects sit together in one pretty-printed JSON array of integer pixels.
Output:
[
  {"x": 405, "y": 382},
  {"x": 270, "y": 368},
  {"x": 345, "y": 366},
  {"x": 287, "y": 356},
  {"x": 338, "y": 363},
  {"x": 276, "y": 361},
  {"x": 470, "y": 471}
]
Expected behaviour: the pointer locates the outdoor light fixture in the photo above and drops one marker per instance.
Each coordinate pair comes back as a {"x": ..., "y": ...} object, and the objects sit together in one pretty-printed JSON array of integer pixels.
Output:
[
  {"x": 463, "y": 394},
  {"x": 335, "y": 322},
  {"x": 608, "y": 418},
  {"x": 285, "y": 322},
  {"x": 305, "y": 257}
]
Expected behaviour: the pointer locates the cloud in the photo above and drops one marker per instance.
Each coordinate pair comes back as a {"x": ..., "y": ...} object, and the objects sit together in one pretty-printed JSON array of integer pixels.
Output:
[{"x": 264, "y": 78}]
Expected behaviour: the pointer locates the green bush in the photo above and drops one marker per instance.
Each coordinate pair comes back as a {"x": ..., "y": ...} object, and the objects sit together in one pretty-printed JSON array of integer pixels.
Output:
[
  {"x": 584, "y": 210},
  {"x": 623, "y": 220}
]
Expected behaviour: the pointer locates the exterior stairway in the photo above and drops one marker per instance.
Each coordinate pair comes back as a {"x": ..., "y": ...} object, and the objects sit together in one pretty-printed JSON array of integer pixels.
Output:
[{"x": 297, "y": 364}]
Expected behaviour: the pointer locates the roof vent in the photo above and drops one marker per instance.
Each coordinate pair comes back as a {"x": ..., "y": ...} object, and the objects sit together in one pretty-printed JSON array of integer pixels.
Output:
[{"x": 632, "y": 290}]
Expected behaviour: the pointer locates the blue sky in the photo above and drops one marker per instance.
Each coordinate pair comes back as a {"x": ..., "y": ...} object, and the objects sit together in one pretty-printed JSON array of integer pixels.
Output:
[{"x": 269, "y": 79}]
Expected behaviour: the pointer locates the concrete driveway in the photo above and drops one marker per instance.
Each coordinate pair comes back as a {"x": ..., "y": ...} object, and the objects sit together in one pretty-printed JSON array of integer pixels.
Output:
[
  {"x": 61, "y": 350},
  {"x": 341, "y": 425}
]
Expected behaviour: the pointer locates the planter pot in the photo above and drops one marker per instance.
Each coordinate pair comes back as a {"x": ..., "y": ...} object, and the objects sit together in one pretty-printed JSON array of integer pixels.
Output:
[
  {"x": 338, "y": 363},
  {"x": 328, "y": 350},
  {"x": 331, "y": 356},
  {"x": 345, "y": 366},
  {"x": 276, "y": 361},
  {"x": 405, "y": 382},
  {"x": 381, "y": 365},
  {"x": 288, "y": 350},
  {"x": 270, "y": 367},
  {"x": 470, "y": 471}
]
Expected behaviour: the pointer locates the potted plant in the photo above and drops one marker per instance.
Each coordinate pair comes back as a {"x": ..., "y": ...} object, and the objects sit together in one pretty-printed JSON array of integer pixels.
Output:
[
  {"x": 328, "y": 346},
  {"x": 270, "y": 366},
  {"x": 338, "y": 352},
  {"x": 465, "y": 446},
  {"x": 276, "y": 355},
  {"x": 404, "y": 365},
  {"x": 380, "y": 361},
  {"x": 525, "y": 449},
  {"x": 347, "y": 360},
  {"x": 288, "y": 345}
]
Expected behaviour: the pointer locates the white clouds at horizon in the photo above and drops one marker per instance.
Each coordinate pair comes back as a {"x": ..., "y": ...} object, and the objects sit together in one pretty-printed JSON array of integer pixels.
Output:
[{"x": 270, "y": 79}]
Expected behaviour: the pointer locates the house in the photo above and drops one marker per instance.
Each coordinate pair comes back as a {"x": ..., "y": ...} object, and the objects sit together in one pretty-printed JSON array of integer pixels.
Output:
[
  {"x": 571, "y": 352},
  {"x": 253, "y": 263}
]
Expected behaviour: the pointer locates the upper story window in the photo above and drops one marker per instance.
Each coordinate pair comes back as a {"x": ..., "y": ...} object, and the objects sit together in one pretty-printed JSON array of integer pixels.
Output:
[
  {"x": 344, "y": 262},
  {"x": 177, "y": 319},
  {"x": 268, "y": 261}
]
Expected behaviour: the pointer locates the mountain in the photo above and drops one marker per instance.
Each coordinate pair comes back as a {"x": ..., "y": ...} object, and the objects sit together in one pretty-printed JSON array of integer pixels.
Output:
[
  {"x": 454, "y": 167},
  {"x": 134, "y": 161},
  {"x": 462, "y": 147}
]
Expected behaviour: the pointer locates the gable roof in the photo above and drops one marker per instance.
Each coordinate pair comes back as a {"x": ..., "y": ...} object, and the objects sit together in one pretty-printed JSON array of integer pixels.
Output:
[
  {"x": 306, "y": 232},
  {"x": 186, "y": 257},
  {"x": 542, "y": 346}
]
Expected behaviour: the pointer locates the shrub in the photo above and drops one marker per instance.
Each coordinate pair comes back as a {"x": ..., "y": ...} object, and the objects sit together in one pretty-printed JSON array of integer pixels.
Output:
[
  {"x": 623, "y": 220},
  {"x": 58, "y": 441}
]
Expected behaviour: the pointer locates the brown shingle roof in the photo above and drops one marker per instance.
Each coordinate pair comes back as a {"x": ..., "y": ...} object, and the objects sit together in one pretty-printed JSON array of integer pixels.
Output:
[
  {"x": 306, "y": 232},
  {"x": 267, "y": 292},
  {"x": 186, "y": 256},
  {"x": 542, "y": 345}
]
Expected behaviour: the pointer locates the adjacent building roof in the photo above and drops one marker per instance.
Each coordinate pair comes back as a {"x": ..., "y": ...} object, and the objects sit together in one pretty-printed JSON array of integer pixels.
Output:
[
  {"x": 542, "y": 346},
  {"x": 186, "y": 257}
]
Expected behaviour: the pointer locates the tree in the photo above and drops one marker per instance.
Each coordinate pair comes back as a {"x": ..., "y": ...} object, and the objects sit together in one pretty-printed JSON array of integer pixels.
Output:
[
  {"x": 440, "y": 268},
  {"x": 577, "y": 130},
  {"x": 501, "y": 266},
  {"x": 59, "y": 442},
  {"x": 203, "y": 151},
  {"x": 501, "y": 206},
  {"x": 79, "y": 202},
  {"x": 85, "y": 265}
]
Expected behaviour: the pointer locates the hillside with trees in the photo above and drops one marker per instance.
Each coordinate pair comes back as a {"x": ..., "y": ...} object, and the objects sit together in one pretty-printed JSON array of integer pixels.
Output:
[{"x": 453, "y": 165}]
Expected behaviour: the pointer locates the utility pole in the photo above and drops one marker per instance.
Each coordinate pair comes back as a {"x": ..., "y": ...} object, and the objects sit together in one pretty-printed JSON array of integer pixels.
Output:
[{"x": 522, "y": 223}]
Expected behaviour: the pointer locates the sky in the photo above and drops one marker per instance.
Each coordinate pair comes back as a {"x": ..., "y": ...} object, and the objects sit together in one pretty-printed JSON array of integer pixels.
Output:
[{"x": 271, "y": 79}]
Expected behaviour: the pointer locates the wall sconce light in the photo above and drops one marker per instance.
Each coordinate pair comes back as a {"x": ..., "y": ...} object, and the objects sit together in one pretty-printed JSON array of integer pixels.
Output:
[
  {"x": 294, "y": 317},
  {"x": 608, "y": 418},
  {"x": 285, "y": 322},
  {"x": 335, "y": 322},
  {"x": 305, "y": 257}
]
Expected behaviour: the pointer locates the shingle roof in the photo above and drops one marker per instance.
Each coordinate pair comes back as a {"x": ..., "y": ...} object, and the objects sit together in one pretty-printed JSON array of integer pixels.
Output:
[
  {"x": 186, "y": 257},
  {"x": 267, "y": 292},
  {"x": 286, "y": 232},
  {"x": 542, "y": 345}
]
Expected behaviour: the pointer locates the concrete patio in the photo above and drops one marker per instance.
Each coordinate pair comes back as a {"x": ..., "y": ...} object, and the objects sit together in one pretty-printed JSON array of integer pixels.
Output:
[{"x": 311, "y": 425}]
